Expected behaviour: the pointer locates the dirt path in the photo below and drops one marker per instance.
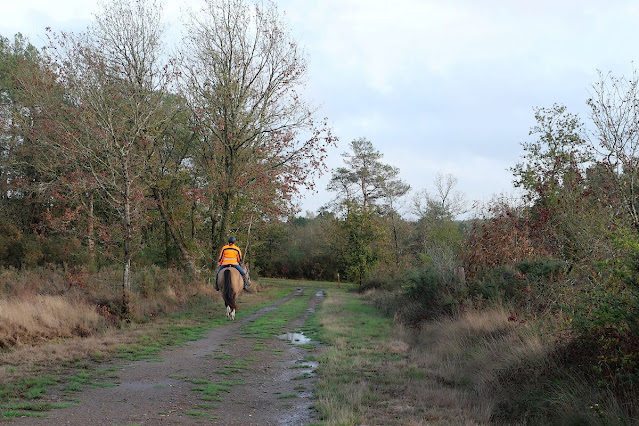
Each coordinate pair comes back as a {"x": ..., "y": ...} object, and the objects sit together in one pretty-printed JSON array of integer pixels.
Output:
[{"x": 225, "y": 378}]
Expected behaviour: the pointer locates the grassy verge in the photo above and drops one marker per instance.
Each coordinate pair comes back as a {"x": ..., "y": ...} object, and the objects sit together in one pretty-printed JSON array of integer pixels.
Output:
[
  {"x": 376, "y": 372},
  {"x": 360, "y": 362}
]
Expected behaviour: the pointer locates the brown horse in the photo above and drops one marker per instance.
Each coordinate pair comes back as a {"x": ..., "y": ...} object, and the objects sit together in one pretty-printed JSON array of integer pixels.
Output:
[{"x": 231, "y": 287}]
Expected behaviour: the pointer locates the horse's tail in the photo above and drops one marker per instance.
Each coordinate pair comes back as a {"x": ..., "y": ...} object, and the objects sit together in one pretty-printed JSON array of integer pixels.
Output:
[{"x": 229, "y": 294}]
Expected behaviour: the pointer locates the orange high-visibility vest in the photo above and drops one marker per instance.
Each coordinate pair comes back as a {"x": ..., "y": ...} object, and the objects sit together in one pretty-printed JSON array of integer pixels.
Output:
[{"x": 230, "y": 255}]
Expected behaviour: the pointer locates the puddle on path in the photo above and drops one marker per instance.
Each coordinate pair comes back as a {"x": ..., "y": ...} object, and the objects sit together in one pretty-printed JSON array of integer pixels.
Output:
[{"x": 295, "y": 338}]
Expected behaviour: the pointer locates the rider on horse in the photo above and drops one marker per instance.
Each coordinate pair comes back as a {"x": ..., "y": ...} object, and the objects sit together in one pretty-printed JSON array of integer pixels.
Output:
[{"x": 231, "y": 255}]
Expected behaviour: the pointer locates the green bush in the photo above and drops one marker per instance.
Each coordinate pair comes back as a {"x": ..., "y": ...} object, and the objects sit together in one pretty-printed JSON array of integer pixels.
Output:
[
  {"x": 542, "y": 269},
  {"x": 423, "y": 285},
  {"x": 501, "y": 283}
]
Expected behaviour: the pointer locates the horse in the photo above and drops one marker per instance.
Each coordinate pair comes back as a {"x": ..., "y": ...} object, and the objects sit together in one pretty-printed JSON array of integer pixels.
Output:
[{"x": 231, "y": 287}]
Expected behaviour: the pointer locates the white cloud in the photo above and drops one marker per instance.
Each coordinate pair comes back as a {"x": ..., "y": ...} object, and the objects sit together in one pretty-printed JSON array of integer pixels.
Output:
[{"x": 31, "y": 17}]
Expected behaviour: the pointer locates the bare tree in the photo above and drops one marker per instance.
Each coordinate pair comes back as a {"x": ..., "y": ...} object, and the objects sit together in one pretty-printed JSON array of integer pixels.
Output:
[
  {"x": 445, "y": 203},
  {"x": 116, "y": 79},
  {"x": 259, "y": 141},
  {"x": 615, "y": 113}
]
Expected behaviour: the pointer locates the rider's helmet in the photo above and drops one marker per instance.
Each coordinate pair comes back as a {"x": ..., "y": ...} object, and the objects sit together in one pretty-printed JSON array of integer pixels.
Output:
[{"x": 232, "y": 240}]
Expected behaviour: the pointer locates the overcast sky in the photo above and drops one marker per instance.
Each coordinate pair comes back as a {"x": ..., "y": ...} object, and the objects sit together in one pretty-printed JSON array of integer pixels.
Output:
[{"x": 443, "y": 86}]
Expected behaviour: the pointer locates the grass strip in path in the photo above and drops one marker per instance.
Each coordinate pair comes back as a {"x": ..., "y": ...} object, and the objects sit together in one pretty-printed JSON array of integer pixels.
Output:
[{"x": 274, "y": 323}]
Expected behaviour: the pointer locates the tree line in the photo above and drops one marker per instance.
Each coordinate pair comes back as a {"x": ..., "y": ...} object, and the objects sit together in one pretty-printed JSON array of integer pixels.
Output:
[{"x": 113, "y": 150}]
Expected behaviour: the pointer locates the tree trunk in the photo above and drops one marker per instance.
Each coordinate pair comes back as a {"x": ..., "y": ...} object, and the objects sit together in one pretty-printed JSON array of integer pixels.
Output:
[
  {"x": 184, "y": 253},
  {"x": 248, "y": 241},
  {"x": 91, "y": 227},
  {"x": 3, "y": 185},
  {"x": 214, "y": 247},
  {"x": 167, "y": 237},
  {"x": 126, "y": 262},
  {"x": 126, "y": 270},
  {"x": 193, "y": 207},
  {"x": 397, "y": 252},
  {"x": 226, "y": 210}
]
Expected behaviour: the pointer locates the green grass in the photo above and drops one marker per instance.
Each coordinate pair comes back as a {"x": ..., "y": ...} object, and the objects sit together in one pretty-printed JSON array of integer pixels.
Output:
[
  {"x": 207, "y": 406},
  {"x": 222, "y": 356},
  {"x": 13, "y": 413},
  {"x": 274, "y": 323},
  {"x": 301, "y": 366},
  {"x": 302, "y": 376},
  {"x": 351, "y": 370},
  {"x": 29, "y": 409},
  {"x": 211, "y": 389},
  {"x": 236, "y": 367},
  {"x": 30, "y": 387}
]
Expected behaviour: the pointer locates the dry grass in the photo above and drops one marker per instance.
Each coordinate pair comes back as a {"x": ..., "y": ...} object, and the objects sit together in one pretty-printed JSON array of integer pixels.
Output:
[
  {"x": 470, "y": 349},
  {"x": 460, "y": 358},
  {"x": 41, "y": 318},
  {"x": 44, "y": 304},
  {"x": 375, "y": 372},
  {"x": 21, "y": 361},
  {"x": 14, "y": 283}
]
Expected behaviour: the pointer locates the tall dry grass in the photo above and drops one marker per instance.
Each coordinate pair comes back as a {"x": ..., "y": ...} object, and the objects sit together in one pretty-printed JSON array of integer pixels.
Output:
[
  {"x": 44, "y": 317},
  {"x": 463, "y": 356},
  {"x": 470, "y": 348},
  {"x": 47, "y": 303}
]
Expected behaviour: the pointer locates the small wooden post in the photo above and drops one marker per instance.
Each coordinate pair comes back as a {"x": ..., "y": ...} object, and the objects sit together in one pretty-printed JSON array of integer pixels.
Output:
[{"x": 461, "y": 275}]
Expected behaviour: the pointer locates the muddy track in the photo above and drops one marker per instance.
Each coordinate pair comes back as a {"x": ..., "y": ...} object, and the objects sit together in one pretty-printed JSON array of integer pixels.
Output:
[{"x": 224, "y": 378}]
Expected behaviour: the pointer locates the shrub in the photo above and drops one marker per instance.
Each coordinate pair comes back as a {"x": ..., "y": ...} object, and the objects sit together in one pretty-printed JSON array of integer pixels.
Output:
[
  {"x": 395, "y": 304},
  {"x": 501, "y": 283},
  {"x": 542, "y": 269},
  {"x": 423, "y": 286}
]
